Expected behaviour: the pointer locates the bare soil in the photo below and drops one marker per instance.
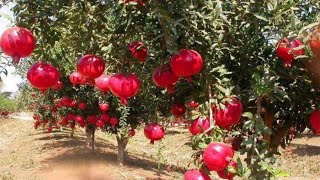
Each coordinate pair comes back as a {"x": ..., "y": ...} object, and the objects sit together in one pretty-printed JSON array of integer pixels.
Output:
[{"x": 28, "y": 154}]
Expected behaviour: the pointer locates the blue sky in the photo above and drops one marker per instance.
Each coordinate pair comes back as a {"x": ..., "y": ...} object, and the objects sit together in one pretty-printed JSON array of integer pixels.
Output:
[{"x": 10, "y": 81}]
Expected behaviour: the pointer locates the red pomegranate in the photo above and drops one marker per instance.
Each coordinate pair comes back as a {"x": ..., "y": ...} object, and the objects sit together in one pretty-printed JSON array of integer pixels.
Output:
[
  {"x": 49, "y": 129},
  {"x": 314, "y": 44},
  {"x": 285, "y": 50},
  {"x": 66, "y": 101},
  {"x": 100, "y": 123},
  {"x": 186, "y": 63},
  {"x": 193, "y": 104},
  {"x": 104, "y": 117},
  {"x": 199, "y": 125},
  {"x": 230, "y": 115},
  {"x": 132, "y": 132},
  {"x": 217, "y": 156},
  {"x": 163, "y": 77},
  {"x": 154, "y": 132},
  {"x": 43, "y": 76},
  {"x": 17, "y": 42},
  {"x": 315, "y": 120},
  {"x": 102, "y": 83},
  {"x": 124, "y": 86},
  {"x": 138, "y": 51},
  {"x": 90, "y": 66},
  {"x": 225, "y": 174},
  {"x": 92, "y": 119},
  {"x": 104, "y": 107},
  {"x": 178, "y": 109},
  {"x": 113, "y": 121},
  {"x": 72, "y": 125},
  {"x": 57, "y": 86},
  {"x": 77, "y": 79},
  {"x": 79, "y": 118},
  {"x": 196, "y": 175},
  {"x": 82, "y": 106}
]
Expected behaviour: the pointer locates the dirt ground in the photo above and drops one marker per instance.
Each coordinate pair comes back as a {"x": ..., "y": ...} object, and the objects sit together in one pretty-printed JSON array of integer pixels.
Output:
[{"x": 28, "y": 154}]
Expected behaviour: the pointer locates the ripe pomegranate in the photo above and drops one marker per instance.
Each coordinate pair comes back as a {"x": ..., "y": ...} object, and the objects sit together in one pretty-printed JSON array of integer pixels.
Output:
[
  {"x": 17, "y": 42},
  {"x": 132, "y": 132},
  {"x": 100, "y": 123},
  {"x": 124, "y": 86},
  {"x": 154, "y": 132},
  {"x": 92, "y": 119},
  {"x": 66, "y": 101},
  {"x": 138, "y": 50},
  {"x": 82, "y": 106},
  {"x": 225, "y": 174},
  {"x": 199, "y": 125},
  {"x": 43, "y": 76},
  {"x": 315, "y": 120},
  {"x": 186, "y": 63},
  {"x": 178, "y": 109},
  {"x": 163, "y": 77},
  {"x": 193, "y": 104},
  {"x": 79, "y": 118},
  {"x": 217, "y": 155},
  {"x": 104, "y": 117},
  {"x": 102, "y": 83},
  {"x": 104, "y": 107},
  {"x": 72, "y": 125},
  {"x": 77, "y": 79},
  {"x": 196, "y": 175},
  {"x": 90, "y": 66},
  {"x": 113, "y": 121},
  {"x": 230, "y": 115},
  {"x": 314, "y": 44},
  {"x": 285, "y": 50},
  {"x": 57, "y": 86}
]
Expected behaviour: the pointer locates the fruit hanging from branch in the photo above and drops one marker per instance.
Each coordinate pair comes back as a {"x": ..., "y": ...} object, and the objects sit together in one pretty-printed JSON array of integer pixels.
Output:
[
  {"x": 102, "y": 83},
  {"x": 196, "y": 175},
  {"x": 138, "y": 51},
  {"x": 57, "y": 86},
  {"x": 186, "y": 63},
  {"x": 77, "y": 79},
  {"x": 225, "y": 174},
  {"x": 91, "y": 67},
  {"x": 217, "y": 156},
  {"x": 154, "y": 132},
  {"x": 17, "y": 42},
  {"x": 178, "y": 109},
  {"x": 124, "y": 86},
  {"x": 230, "y": 115},
  {"x": 163, "y": 77},
  {"x": 43, "y": 76},
  {"x": 199, "y": 125},
  {"x": 285, "y": 50}
]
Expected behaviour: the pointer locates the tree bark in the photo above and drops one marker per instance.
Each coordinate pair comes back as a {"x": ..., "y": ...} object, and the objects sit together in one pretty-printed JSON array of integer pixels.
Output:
[
  {"x": 313, "y": 67},
  {"x": 90, "y": 137},
  {"x": 122, "y": 144},
  {"x": 72, "y": 133},
  {"x": 268, "y": 121}
]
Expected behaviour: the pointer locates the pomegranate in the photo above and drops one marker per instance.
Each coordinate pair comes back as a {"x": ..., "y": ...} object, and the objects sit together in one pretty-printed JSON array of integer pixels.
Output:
[
  {"x": 178, "y": 109},
  {"x": 217, "y": 155},
  {"x": 138, "y": 50},
  {"x": 17, "y": 42},
  {"x": 154, "y": 132},
  {"x": 132, "y": 132},
  {"x": 49, "y": 129},
  {"x": 314, "y": 44},
  {"x": 186, "y": 63},
  {"x": 315, "y": 121},
  {"x": 104, "y": 117},
  {"x": 124, "y": 86},
  {"x": 193, "y": 104},
  {"x": 72, "y": 125},
  {"x": 199, "y": 125},
  {"x": 236, "y": 142},
  {"x": 102, "y": 83},
  {"x": 113, "y": 121},
  {"x": 285, "y": 50},
  {"x": 79, "y": 118},
  {"x": 90, "y": 66},
  {"x": 196, "y": 175},
  {"x": 82, "y": 106},
  {"x": 225, "y": 174},
  {"x": 57, "y": 86},
  {"x": 66, "y": 101},
  {"x": 163, "y": 77},
  {"x": 104, "y": 107},
  {"x": 100, "y": 123},
  {"x": 92, "y": 119},
  {"x": 77, "y": 79},
  {"x": 43, "y": 76},
  {"x": 230, "y": 115}
]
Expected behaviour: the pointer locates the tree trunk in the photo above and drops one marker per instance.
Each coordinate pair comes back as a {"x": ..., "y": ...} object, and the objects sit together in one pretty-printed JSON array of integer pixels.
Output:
[
  {"x": 90, "y": 137},
  {"x": 72, "y": 132},
  {"x": 268, "y": 121},
  {"x": 276, "y": 138},
  {"x": 122, "y": 144},
  {"x": 313, "y": 67}
]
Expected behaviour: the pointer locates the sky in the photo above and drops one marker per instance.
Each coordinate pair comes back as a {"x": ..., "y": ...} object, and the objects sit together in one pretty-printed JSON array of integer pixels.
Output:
[{"x": 11, "y": 81}]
